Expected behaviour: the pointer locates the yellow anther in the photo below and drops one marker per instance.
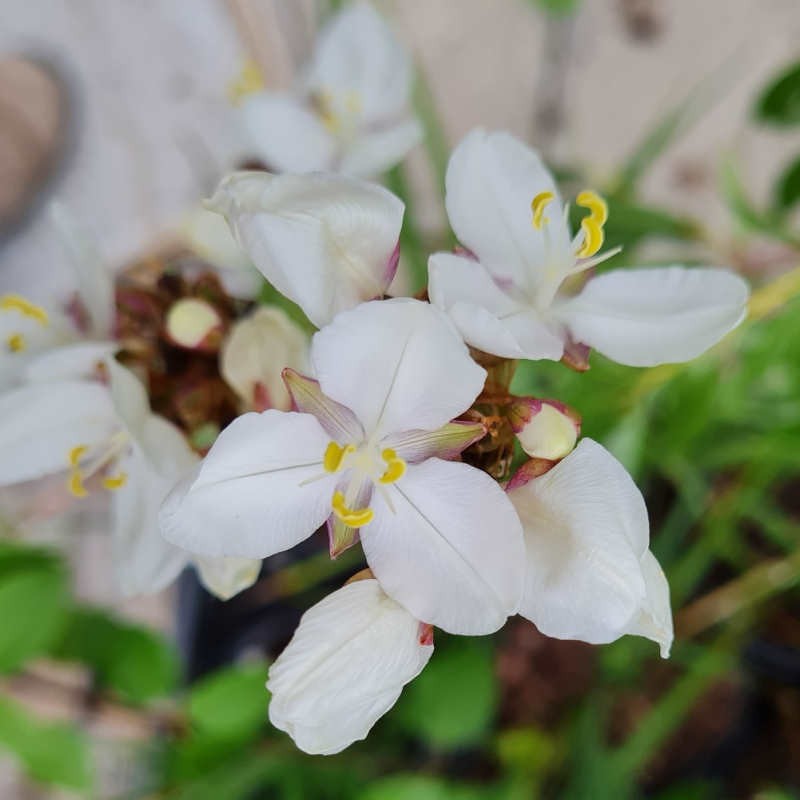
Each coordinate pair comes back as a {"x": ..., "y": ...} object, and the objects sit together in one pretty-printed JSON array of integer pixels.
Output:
[
  {"x": 16, "y": 342},
  {"x": 76, "y": 453},
  {"x": 249, "y": 81},
  {"x": 113, "y": 482},
  {"x": 75, "y": 484},
  {"x": 596, "y": 205},
  {"x": 538, "y": 205},
  {"x": 352, "y": 517},
  {"x": 592, "y": 225},
  {"x": 332, "y": 460},
  {"x": 395, "y": 467},
  {"x": 16, "y": 302},
  {"x": 327, "y": 113}
]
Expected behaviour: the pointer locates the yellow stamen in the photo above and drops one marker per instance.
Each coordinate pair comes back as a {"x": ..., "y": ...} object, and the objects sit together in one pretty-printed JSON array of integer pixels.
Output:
[
  {"x": 395, "y": 467},
  {"x": 249, "y": 81},
  {"x": 15, "y": 302},
  {"x": 353, "y": 517},
  {"x": 327, "y": 113},
  {"x": 15, "y": 342},
  {"x": 113, "y": 482},
  {"x": 76, "y": 453},
  {"x": 332, "y": 460},
  {"x": 538, "y": 205},
  {"x": 592, "y": 225},
  {"x": 75, "y": 484}
]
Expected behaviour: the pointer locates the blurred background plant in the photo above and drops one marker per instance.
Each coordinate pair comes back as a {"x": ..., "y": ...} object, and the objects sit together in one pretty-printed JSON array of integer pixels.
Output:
[{"x": 94, "y": 705}]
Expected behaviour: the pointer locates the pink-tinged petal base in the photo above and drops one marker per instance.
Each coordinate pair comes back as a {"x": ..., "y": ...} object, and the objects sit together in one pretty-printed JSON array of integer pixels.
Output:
[{"x": 528, "y": 471}]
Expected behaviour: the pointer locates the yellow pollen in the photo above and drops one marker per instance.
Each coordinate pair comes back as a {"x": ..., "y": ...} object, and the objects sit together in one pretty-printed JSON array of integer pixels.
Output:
[
  {"x": 249, "y": 81},
  {"x": 15, "y": 302},
  {"x": 352, "y": 517},
  {"x": 592, "y": 225},
  {"x": 15, "y": 342},
  {"x": 75, "y": 484},
  {"x": 538, "y": 205},
  {"x": 334, "y": 453},
  {"x": 75, "y": 454},
  {"x": 114, "y": 482},
  {"x": 395, "y": 467}
]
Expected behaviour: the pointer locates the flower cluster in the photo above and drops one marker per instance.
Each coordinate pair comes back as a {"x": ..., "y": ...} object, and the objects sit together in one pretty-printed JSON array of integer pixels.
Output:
[
  {"x": 379, "y": 444},
  {"x": 395, "y": 428}
]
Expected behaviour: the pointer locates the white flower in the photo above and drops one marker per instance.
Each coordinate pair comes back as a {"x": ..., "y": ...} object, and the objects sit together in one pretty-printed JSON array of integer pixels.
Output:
[
  {"x": 345, "y": 667},
  {"x": 28, "y": 329},
  {"x": 326, "y": 242},
  {"x": 364, "y": 453},
  {"x": 509, "y": 300},
  {"x": 350, "y": 112},
  {"x": 105, "y": 437},
  {"x": 590, "y": 574},
  {"x": 255, "y": 353}
]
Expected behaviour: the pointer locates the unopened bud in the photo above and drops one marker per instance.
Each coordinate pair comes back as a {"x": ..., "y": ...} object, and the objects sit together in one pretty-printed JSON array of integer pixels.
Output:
[
  {"x": 546, "y": 429},
  {"x": 194, "y": 324}
]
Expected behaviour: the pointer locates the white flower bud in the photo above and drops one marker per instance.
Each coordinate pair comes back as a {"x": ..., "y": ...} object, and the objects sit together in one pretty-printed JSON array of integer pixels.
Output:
[
  {"x": 256, "y": 351},
  {"x": 545, "y": 428}
]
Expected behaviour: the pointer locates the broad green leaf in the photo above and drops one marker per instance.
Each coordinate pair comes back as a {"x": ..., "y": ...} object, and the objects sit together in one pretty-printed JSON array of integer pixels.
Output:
[
  {"x": 779, "y": 103},
  {"x": 786, "y": 193},
  {"x": 135, "y": 662},
  {"x": 48, "y": 752},
  {"x": 452, "y": 702},
  {"x": 231, "y": 703},
  {"x": 33, "y": 602}
]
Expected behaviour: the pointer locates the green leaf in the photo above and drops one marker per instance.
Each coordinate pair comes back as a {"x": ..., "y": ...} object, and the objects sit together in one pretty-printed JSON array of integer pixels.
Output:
[
  {"x": 746, "y": 214},
  {"x": 453, "y": 701},
  {"x": 422, "y": 787},
  {"x": 786, "y": 192},
  {"x": 136, "y": 663},
  {"x": 559, "y": 8},
  {"x": 628, "y": 223},
  {"x": 231, "y": 703},
  {"x": 33, "y": 602},
  {"x": 779, "y": 103},
  {"x": 51, "y": 753}
]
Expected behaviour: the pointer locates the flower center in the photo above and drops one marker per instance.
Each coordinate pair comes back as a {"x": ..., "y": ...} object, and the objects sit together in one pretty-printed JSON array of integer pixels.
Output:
[
  {"x": 367, "y": 464},
  {"x": 338, "y": 111},
  {"x": 85, "y": 461}
]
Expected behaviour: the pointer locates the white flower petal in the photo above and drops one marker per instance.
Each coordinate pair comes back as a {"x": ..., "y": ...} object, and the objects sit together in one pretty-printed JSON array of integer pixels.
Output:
[
  {"x": 358, "y": 56},
  {"x": 344, "y": 668},
  {"x": 79, "y": 360},
  {"x": 248, "y": 497},
  {"x": 655, "y": 617},
  {"x": 285, "y": 133},
  {"x": 257, "y": 349},
  {"x": 446, "y": 442},
  {"x": 398, "y": 364},
  {"x": 491, "y": 180},
  {"x": 143, "y": 561},
  {"x": 374, "y": 152},
  {"x": 645, "y": 317},
  {"x": 327, "y": 242},
  {"x": 485, "y": 316},
  {"x": 451, "y": 552},
  {"x": 586, "y": 534},
  {"x": 41, "y": 422},
  {"x": 95, "y": 277},
  {"x": 130, "y": 401},
  {"x": 226, "y": 577}
]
